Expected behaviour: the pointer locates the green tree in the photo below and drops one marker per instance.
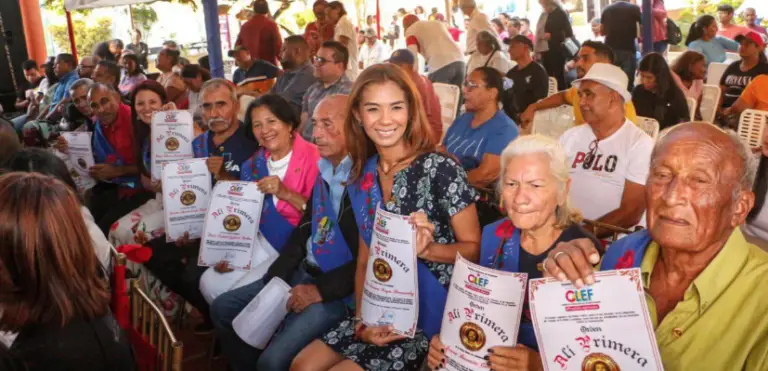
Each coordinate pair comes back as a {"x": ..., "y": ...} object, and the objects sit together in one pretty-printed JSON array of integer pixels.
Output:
[
  {"x": 144, "y": 16},
  {"x": 688, "y": 15},
  {"x": 86, "y": 36}
]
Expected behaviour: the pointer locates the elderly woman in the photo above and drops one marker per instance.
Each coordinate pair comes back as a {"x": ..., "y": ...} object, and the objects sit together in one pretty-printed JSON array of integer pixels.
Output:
[
  {"x": 533, "y": 188},
  {"x": 478, "y": 136},
  {"x": 285, "y": 169},
  {"x": 699, "y": 274},
  {"x": 391, "y": 150},
  {"x": 489, "y": 54}
]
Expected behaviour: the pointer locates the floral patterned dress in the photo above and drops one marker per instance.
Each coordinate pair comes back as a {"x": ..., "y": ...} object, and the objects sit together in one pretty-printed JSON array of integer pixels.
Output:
[{"x": 437, "y": 185}]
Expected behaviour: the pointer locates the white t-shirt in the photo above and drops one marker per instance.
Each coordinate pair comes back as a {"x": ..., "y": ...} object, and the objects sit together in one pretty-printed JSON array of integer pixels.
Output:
[
  {"x": 478, "y": 21},
  {"x": 432, "y": 40},
  {"x": 498, "y": 60},
  {"x": 345, "y": 28},
  {"x": 378, "y": 53},
  {"x": 278, "y": 168},
  {"x": 623, "y": 156}
]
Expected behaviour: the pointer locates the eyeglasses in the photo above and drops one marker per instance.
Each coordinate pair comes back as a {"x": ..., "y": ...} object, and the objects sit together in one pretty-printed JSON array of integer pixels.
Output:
[
  {"x": 590, "y": 157},
  {"x": 470, "y": 85},
  {"x": 318, "y": 60}
]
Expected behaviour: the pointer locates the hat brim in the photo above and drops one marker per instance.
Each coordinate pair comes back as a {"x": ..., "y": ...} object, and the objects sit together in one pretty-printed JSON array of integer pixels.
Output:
[{"x": 622, "y": 90}]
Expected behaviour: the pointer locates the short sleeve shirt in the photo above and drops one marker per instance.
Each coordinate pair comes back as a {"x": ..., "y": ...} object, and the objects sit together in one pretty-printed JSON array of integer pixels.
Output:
[
  {"x": 235, "y": 150},
  {"x": 471, "y": 144},
  {"x": 316, "y": 93},
  {"x": 345, "y": 28},
  {"x": 735, "y": 80},
  {"x": 258, "y": 68},
  {"x": 756, "y": 93},
  {"x": 529, "y": 84},
  {"x": 599, "y": 169}
]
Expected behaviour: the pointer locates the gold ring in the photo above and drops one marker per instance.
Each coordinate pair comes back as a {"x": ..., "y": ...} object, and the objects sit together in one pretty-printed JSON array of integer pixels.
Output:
[{"x": 556, "y": 255}]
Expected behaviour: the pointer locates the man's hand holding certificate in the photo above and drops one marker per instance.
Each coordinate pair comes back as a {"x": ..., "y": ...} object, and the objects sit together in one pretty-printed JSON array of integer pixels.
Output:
[
  {"x": 186, "y": 194},
  {"x": 172, "y": 135},
  {"x": 601, "y": 327},
  {"x": 482, "y": 311},
  {"x": 391, "y": 290},
  {"x": 80, "y": 159},
  {"x": 231, "y": 225}
]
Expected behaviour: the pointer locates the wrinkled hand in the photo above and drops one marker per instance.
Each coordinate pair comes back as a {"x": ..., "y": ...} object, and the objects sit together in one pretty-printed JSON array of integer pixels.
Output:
[
  {"x": 573, "y": 261},
  {"x": 215, "y": 164},
  {"x": 303, "y": 296},
  {"x": 222, "y": 267},
  {"x": 61, "y": 145},
  {"x": 104, "y": 171},
  {"x": 436, "y": 354},
  {"x": 425, "y": 232},
  {"x": 272, "y": 185},
  {"x": 517, "y": 358},
  {"x": 378, "y": 335}
]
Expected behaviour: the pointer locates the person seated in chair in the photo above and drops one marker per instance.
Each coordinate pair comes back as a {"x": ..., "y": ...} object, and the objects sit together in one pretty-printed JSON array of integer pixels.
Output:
[{"x": 323, "y": 283}]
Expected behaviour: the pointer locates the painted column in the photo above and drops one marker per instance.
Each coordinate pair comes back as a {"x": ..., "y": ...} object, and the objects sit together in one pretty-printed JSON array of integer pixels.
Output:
[{"x": 33, "y": 30}]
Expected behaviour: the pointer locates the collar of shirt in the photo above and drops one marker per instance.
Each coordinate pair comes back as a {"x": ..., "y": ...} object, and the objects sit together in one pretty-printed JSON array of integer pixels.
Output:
[
  {"x": 343, "y": 79},
  {"x": 335, "y": 176},
  {"x": 712, "y": 281},
  {"x": 298, "y": 70}
]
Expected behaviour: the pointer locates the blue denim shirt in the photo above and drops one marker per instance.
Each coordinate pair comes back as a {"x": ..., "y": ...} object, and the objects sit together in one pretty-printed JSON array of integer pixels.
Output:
[
  {"x": 336, "y": 179},
  {"x": 62, "y": 89}
]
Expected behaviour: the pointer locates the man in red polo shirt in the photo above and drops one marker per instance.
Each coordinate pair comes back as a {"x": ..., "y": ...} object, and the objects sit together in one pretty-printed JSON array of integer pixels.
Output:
[
  {"x": 114, "y": 147},
  {"x": 261, "y": 35}
]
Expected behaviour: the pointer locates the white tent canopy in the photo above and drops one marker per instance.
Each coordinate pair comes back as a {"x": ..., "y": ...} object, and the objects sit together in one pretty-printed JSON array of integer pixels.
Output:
[
  {"x": 71, "y": 5},
  {"x": 760, "y": 6}
]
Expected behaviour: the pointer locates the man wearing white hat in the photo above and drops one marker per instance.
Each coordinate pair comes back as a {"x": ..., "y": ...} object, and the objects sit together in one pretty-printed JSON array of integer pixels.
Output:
[{"x": 609, "y": 157}]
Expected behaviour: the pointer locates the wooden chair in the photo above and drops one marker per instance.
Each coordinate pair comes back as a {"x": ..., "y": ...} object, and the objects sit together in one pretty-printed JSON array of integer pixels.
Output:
[
  {"x": 691, "y": 108},
  {"x": 714, "y": 72},
  {"x": 448, "y": 95},
  {"x": 710, "y": 101},
  {"x": 552, "y": 122},
  {"x": 154, "y": 344},
  {"x": 552, "y": 86},
  {"x": 751, "y": 126},
  {"x": 649, "y": 126},
  {"x": 615, "y": 231}
]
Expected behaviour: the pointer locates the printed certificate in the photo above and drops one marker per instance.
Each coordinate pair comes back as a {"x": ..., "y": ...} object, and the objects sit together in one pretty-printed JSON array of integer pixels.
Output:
[
  {"x": 482, "y": 311},
  {"x": 80, "y": 158},
  {"x": 391, "y": 288},
  {"x": 602, "y": 327},
  {"x": 231, "y": 224},
  {"x": 172, "y": 135},
  {"x": 186, "y": 194}
]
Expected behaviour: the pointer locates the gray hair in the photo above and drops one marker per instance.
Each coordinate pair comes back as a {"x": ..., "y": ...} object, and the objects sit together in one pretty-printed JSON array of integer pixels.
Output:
[
  {"x": 219, "y": 83},
  {"x": 748, "y": 171},
  {"x": 565, "y": 214},
  {"x": 88, "y": 83}
]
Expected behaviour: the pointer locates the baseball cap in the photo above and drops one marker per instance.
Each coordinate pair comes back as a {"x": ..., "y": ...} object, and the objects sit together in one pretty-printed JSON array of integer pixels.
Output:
[
  {"x": 609, "y": 76},
  {"x": 519, "y": 39},
  {"x": 751, "y": 36},
  {"x": 402, "y": 56},
  {"x": 236, "y": 49}
]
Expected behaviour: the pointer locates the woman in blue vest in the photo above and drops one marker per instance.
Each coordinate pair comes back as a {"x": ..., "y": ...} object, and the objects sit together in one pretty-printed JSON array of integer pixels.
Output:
[
  {"x": 394, "y": 165},
  {"x": 285, "y": 169},
  {"x": 533, "y": 188}
]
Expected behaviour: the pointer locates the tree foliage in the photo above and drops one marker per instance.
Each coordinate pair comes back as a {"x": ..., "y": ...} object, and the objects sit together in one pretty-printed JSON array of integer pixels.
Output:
[
  {"x": 86, "y": 36},
  {"x": 144, "y": 17}
]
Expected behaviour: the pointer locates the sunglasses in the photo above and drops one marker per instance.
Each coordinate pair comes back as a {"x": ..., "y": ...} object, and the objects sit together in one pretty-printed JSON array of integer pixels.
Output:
[{"x": 321, "y": 61}]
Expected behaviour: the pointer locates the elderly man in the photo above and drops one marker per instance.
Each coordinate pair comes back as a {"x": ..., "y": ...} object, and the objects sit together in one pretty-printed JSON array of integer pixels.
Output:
[
  {"x": 261, "y": 35},
  {"x": 608, "y": 156},
  {"x": 114, "y": 150},
  {"x": 478, "y": 21},
  {"x": 441, "y": 54},
  {"x": 373, "y": 51},
  {"x": 700, "y": 275},
  {"x": 299, "y": 72},
  {"x": 226, "y": 146},
  {"x": 750, "y": 21},
  {"x": 107, "y": 73},
  {"x": 404, "y": 59},
  {"x": 330, "y": 66},
  {"x": 86, "y": 66},
  {"x": 591, "y": 52},
  {"x": 323, "y": 284}
]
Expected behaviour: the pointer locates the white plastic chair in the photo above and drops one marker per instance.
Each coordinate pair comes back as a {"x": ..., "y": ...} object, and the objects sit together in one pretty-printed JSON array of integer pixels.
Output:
[
  {"x": 552, "y": 88},
  {"x": 691, "y": 107},
  {"x": 710, "y": 101},
  {"x": 649, "y": 126},
  {"x": 552, "y": 122},
  {"x": 731, "y": 57},
  {"x": 751, "y": 125},
  {"x": 448, "y": 95},
  {"x": 245, "y": 100},
  {"x": 714, "y": 72}
]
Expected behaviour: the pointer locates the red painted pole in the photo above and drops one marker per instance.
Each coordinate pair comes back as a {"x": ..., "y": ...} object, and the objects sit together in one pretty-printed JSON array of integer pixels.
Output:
[
  {"x": 71, "y": 31},
  {"x": 378, "y": 20}
]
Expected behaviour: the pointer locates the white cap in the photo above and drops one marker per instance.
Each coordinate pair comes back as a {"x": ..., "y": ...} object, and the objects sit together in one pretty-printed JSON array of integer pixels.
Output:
[{"x": 610, "y": 76}]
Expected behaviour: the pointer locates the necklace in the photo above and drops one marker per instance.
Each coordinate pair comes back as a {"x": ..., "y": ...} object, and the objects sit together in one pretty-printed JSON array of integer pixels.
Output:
[{"x": 386, "y": 174}]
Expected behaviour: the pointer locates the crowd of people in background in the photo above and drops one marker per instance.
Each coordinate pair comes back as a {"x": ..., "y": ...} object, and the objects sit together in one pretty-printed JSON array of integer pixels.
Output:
[{"x": 339, "y": 104}]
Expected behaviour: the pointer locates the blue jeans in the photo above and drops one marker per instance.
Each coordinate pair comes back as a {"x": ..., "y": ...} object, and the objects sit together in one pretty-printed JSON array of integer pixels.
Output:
[
  {"x": 627, "y": 61},
  {"x": 296, "y": 331},
  {"x": 452, "y": 73},
  {"x": 18, "y": 122},
  {"x": 660, "y": 46}
]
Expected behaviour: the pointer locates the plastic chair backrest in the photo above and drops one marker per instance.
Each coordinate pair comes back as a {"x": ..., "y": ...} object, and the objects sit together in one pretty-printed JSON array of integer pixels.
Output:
[
  {"x": 691, "y": 107},
  {"x": 751, "y": 126},
  {"x": 245, "y": 100},
  {"x": 710, "y": 100},
  {"x": 649, "y": 126},
  {"x": 552, "y": 87},
  {"x": 448, "y": 95},
  {"x": 715, "y": 72},
  {"x": 552, "y": 122}
]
